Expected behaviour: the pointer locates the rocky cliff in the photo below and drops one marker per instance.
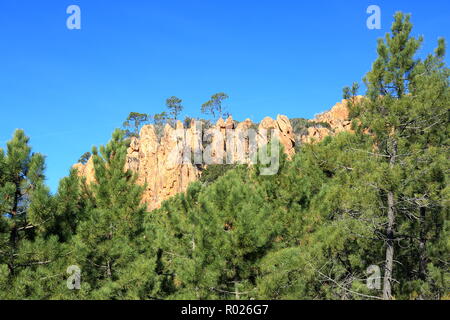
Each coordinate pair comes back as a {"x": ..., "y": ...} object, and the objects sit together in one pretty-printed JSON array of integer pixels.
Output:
[
  {"x": 166, "y": 164},
  {"x": 337, "y": 119}
]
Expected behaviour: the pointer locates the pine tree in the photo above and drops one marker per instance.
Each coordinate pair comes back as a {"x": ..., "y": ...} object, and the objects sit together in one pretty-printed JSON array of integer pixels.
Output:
[
  {"x": 174, "y": 105},
  {"x": 84, "y": 158},
  {"x": 214, "y": 105},
  {"x": 317, "y": 255},
  {"x": 30, "y": 253},
  {"x": 406, "y": 105},
  {"x": 210, "y": 240},
  {"x": 106, "y": 240},
  {"x": 388, "y": 184},
  {"x": 69, "y": 206},
  {"x": 134, "y": 123},
  {"x": 25, "y": 201}
]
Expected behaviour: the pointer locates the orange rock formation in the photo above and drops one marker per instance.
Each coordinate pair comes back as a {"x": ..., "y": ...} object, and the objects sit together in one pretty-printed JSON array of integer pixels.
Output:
[
  {"x": 167, "y": 169},
  {"x": 337, "y": 118},
  {"x": 165, "y": 166}
]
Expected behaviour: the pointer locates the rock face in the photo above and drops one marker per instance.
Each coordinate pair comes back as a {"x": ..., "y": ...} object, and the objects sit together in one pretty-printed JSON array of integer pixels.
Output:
[
  {"x": 86, "y": 170},
  {"x": 167, "y": 165},
  {"x": 159, "y": 165},
  {"x": 337, "y": 119},
  {"x": 283, "y": 130}
]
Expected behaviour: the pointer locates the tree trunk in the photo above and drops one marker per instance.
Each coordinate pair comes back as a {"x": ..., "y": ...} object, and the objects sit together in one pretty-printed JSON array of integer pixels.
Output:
[
  {"x": 16, "y": 198},
  {"x": 422, "y": 246},
  {"x": 389, "y": 261},
  {"x": 14, "y": 235},
  {"x": 108, "y": 269},
  {"x": 236, "y": 290}
]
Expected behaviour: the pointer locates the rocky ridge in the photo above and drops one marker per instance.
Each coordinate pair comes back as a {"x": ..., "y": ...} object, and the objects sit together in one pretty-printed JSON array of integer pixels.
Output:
[
  {"x": 166, "y": 166},
  {"x": 337, "y": 118}
]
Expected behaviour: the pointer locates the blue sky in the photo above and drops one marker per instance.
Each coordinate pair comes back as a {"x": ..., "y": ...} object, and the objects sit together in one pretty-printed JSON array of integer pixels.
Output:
[{"x": 70, "y": 88}]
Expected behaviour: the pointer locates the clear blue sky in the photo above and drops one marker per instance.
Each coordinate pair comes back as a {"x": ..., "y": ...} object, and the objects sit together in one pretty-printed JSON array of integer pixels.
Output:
[{"x": 70, "y": 88}]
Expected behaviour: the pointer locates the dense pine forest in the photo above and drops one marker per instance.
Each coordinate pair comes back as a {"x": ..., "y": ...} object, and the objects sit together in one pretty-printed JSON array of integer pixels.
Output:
[{"x": 369, "y": 203}]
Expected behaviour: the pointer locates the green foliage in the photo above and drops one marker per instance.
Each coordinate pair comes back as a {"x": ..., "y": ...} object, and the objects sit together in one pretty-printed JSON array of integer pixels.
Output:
[
  {"x": 85, "y": 158},
  {"x": 70, "y": 207},
  {"x": 211, "y": 239},
  {"x": 106, "y": 242},
  {"x": 214, "y": 171},
  {"x": 160, "y": 119},
  {"x": 174, "y": 105},
  {"x": 134, "y": 123},
  {"x": 214, "y": 105},
  {"x": 27, "y": 246},
  {"x": 406, "y": 114}
]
